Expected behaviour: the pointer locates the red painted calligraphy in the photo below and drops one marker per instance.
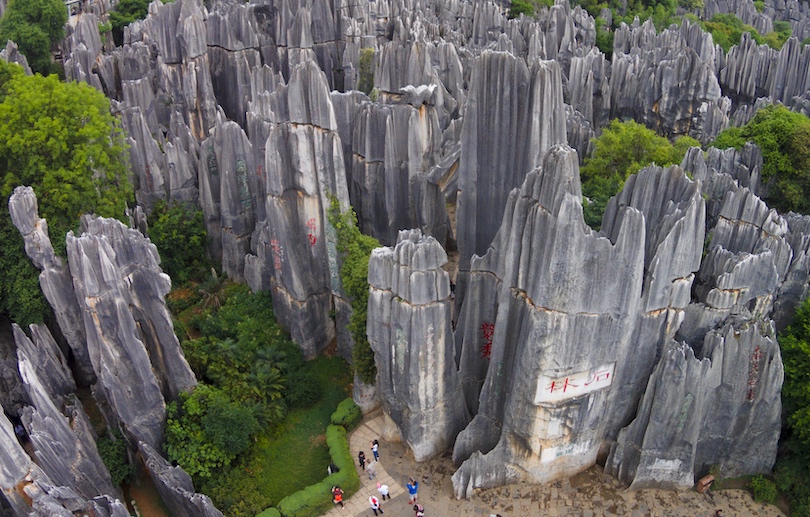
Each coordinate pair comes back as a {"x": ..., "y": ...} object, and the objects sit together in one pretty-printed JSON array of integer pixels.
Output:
[
  {"x": 488, "y": 330},
  {"x": 601, "y": 375},
  {"x": 311, "y": 235},
  {"x": 278, "y": 253}
]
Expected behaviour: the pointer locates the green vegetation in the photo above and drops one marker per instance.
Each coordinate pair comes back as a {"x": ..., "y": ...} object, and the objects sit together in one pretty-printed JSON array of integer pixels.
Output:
[
  {"x": 60, "y": 139},
  {"x": 113, "y": 451},
  {"x": 178, "y": 231},
  {"x": 623, "y": 149},
  {"x": 365, "y": 71},
  {"x": 763, "y": 489},
  {"x": 316, "y": 499},
  {"x": 347, "y": 415},
  {"x": 792, "y": 472},
  {"x": 35, "y": 26},
  {"x": 527, "y": 7},
  {"x": 727, "y": 29},
  {"x": 252, "y": 432},
  {"x": 784, "y": 138},
  {"x": 356, "y": 249}
]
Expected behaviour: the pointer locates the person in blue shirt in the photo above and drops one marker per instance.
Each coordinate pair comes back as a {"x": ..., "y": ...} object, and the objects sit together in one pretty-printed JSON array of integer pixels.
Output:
[{"x": 413, "y": 486}]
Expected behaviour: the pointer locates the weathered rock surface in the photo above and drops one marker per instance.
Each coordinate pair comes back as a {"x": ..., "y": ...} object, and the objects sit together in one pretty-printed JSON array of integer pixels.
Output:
[
  {"x": 175, "y": 486},
  {"x": 49, "y": 365},
  {"x": 64, "y": 447},
  {"x": 555, "y": 341},
  {"x": 54, "y": 279},
  {"x": 294, "y": 251},
  {"x": 411, "y": 335},
  {"x": 11, "y": 54},
  {"x": 494, "y": 161},
  {"x": 719, "y": 407}
]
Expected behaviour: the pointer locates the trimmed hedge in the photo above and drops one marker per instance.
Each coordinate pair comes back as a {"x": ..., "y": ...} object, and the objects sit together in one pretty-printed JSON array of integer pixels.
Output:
[
  {"x": 270, "y": 512},
  {"x": 347, "y": 414},
  {"x": 316, "y": 499}
]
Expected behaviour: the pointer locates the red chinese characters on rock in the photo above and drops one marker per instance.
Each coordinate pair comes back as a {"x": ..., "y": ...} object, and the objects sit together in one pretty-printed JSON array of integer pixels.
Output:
[
  {"x": 753, "y": 373},
  {"x": 311, "y": 235},
  {"x": 597, "y": 377},
  {"x": 278, "y": 254},
  {"x": 488, "y": 330}
]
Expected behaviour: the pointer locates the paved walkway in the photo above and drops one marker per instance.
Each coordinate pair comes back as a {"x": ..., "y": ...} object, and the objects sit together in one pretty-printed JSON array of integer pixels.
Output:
[{"x": 589, "y": 494}]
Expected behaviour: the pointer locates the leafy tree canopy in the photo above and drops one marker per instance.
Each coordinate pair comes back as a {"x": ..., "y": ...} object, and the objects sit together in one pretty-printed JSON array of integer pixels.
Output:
[
  {"x": 178, "y": 231},
  {"x": 624, "y": 148},
  {"x": 60, "y": 139},
  {"x": 35, "y": 26},
  {"x": 784, "y": 138},
  {"x": 206, "y": 430}
]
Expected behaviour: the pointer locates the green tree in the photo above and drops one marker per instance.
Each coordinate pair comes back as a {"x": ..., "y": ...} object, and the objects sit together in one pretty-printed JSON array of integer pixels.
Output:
[
  {"x": 35, "y": 26},
  {"x": 178, "y": 231},
  {"x": 784, "y": 138},
  {"x": 623, "y": 149},
  {"x": 792, "y": 473},
  {"x": 113, "y": 451},
  {"x": 60, "y": 139},
  {"x": 356, "y": 249},
  {"x": 207, "y": 430}
]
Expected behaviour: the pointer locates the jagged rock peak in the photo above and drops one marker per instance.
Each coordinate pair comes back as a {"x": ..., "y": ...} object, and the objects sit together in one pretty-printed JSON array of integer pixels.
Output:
[{"x": 727, "y": 411}]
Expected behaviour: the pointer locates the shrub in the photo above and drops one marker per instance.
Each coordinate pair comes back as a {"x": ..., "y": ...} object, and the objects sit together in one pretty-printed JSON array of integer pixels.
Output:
[
  {"x": 792, "y": 477},
  {"x": 178, "y": 231},
  {"x": 113, "y": 451},
  {"x": 764, "y": 489},
  {"x": 347, "y": 414},
  {"x": 365, "y": 71},
  {"x": 270, "y": 512},
  {"x": 302, "y": 389}
]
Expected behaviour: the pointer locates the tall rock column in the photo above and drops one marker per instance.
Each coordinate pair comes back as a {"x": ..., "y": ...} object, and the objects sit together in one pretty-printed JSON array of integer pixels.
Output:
[
  {"x": 410, "y": 333},
  {"x": 54, "y": 279},
  {"x": 514, "y": 114},
  {"x": 567, "y": 323},
  {"x": 295, "y": 251}
]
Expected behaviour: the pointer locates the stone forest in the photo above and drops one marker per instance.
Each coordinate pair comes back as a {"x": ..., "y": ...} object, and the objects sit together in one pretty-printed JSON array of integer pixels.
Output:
[{"x": 545, "y": 289}]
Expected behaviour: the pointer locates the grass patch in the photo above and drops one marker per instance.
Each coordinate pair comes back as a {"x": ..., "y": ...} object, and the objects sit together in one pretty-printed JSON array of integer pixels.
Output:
[{"x": 295, "y": 455}]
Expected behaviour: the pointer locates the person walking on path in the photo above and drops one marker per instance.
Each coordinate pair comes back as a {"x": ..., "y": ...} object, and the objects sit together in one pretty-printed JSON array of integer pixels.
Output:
[
  {"x": 383, "y": 490},
  {"x": 362, "y": 458},
  {"x": 413, "y": 486},
  {"x": 418, "y": 510},
  {"x": 375, "y": 504},
  {"x": 372, "y": 469},
  {"x": 337, "y": 495},
  {"x": 375, "y": 448}
]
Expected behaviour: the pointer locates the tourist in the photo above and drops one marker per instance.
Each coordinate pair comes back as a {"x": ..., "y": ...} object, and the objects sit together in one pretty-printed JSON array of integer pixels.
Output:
[
  {"x": 372, "y": 469},
  {"x": 375, "y": 504},
  {"x": 337, "y": 495},
  {"x": 383, "y": 490},
  {"x": 413, "y": 486},
  {"x": 418, "y": 510},
  {"x": 362, "y": 458},
  {"x": 375, "y": 447}
]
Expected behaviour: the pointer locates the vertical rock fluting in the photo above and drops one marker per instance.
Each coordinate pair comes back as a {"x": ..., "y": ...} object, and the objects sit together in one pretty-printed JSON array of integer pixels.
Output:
[
  {"x": 570, "y": 342},
  {"x": 410, "y": 333},
  {"x": 63, "y": 447},
  {"x": 294, "y": 252},
  {"x": 525, "y": 105},
  {"x": 120, "y": 289},
  {"x": 54, "y": 279},
  {"x": 175, "y": 487},
  {"x": 721, "y": 408},
  {"x": 228, "y": 184}
]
